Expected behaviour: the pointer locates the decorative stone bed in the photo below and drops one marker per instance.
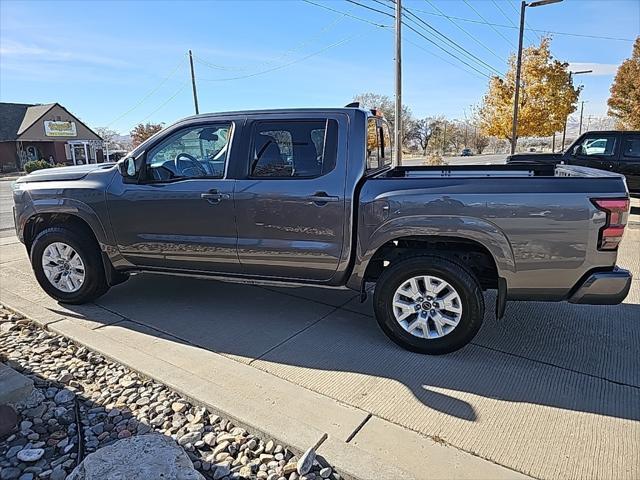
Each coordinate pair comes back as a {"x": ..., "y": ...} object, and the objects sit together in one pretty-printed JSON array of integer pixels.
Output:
[{"x": 74, "y": 386}]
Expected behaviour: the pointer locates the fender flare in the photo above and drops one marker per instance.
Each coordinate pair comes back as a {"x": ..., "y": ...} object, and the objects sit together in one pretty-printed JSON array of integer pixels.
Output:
[{"x": 483, "y": 232}]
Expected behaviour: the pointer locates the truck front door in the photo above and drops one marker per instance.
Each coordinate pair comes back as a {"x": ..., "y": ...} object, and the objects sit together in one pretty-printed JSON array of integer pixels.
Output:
[
  {"x": 180, "y": 215},
  {"x": 596, "y": 150},
  {"x": 291, "y": 202}
]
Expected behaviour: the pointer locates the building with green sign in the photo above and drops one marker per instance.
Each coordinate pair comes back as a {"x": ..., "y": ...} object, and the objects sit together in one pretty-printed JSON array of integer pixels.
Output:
[{"x": 45, "y": 132}]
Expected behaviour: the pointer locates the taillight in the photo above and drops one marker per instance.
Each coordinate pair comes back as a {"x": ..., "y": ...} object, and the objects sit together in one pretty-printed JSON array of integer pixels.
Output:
[{"x": 617, "y": 210}]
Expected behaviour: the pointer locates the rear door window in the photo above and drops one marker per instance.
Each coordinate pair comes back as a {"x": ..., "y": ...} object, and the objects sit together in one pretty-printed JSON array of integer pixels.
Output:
[{"x": 293, "y": 148}]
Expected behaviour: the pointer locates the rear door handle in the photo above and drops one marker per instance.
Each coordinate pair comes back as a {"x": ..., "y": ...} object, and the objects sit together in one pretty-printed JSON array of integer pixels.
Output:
[
  {"x": 321, "y": 198},
  {"x": 213, "y": 196}
]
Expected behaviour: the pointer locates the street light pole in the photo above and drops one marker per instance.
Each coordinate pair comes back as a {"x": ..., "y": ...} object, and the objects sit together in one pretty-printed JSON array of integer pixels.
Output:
[
  {"x": 398, "y": 107},
  {"x": 516, "y": 100}
]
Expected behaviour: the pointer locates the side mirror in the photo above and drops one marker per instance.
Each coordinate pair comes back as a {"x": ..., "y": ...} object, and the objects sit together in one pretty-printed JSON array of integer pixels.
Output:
[
  {"x": 576, "y": 150},
  {"x": 127, "y": 167}
]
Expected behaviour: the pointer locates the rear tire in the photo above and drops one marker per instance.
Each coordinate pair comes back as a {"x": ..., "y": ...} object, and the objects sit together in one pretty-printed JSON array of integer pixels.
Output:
[
  {"x": 432, "y": 324},
  {"x": 57, "y": 251}
]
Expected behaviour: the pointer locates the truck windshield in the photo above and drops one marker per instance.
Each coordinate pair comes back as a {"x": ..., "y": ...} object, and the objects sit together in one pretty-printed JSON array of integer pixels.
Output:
[{"x": 379, "y": 144}]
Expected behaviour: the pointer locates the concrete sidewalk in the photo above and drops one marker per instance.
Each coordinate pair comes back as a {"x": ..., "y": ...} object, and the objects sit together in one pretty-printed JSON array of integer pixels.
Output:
[{"x": 551, "y": 391}]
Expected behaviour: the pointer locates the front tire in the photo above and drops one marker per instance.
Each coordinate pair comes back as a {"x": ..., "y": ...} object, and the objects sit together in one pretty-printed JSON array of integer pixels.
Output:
[
  {"x": 429, "y": 304},
  {"x": 68, "y": 265}
]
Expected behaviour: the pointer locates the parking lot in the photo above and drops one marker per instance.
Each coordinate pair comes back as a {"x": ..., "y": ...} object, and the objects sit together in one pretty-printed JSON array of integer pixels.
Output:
[{"x": 552, "y": 390}]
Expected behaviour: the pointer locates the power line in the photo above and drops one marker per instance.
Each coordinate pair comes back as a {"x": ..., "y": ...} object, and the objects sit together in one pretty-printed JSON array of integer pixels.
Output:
[
  {"x": 279, "y": 67},
  {"x": 415, "y": 31},
  {"x": 148, "y": 95},
  {"x": 441, "y": 58},
  {"x": 515, "y": 9},
  {"x": 184, "y": 85},
  {"x": 485, "y": 21},
  {"x": 460, "y": 48},
  {"x": 457, "y": 45},
  {"x": 444, "y": 50},
  {"x": 536, "y": 30},
  {"x": 504, "y": 14},
  {"x": 283, "y": 55},
  {"x": 355, "y": 17},
  {"x": 474, "y": 38}
]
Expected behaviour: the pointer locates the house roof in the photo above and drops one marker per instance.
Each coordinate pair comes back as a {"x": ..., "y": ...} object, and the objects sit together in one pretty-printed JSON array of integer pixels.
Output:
[
  {"x": 12, "y": 115},
  {"x": 33, "y": 114}
]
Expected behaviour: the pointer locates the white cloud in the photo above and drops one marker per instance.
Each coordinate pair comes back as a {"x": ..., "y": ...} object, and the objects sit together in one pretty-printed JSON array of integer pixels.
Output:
[
  {"x": 599, "y": 69},
  {"x": 51, "y": 54}
]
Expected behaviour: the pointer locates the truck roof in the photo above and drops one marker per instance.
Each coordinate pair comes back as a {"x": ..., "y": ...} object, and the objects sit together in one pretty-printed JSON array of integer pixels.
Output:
[
  {"x": 633, "y": 132},
  {"x": 277, "y": 110}
]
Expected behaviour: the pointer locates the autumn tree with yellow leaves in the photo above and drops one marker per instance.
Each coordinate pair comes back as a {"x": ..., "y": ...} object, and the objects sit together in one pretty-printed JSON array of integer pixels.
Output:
[
  {"x": 547, "y": 96},
  {"x": 624, "y": 103}
]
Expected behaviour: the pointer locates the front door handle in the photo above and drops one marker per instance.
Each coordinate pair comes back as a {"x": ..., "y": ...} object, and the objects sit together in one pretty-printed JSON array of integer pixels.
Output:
[
  {"x": 322, "y": 198},
  {"x": 213, "y": 196}
]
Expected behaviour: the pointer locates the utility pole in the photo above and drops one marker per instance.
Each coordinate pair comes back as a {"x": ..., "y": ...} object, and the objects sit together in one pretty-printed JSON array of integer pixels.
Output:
[
  {"x": 516, "y": 100},
  {"x": 398, "y": 110},
  {"x": 581, "y": 112},
  {"x": 444, "y": 139},
  {"x": 193, "y": 83}
]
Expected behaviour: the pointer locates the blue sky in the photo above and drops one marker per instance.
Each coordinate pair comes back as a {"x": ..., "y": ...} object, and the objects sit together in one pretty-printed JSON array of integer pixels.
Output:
[{"x": 118, "y": 63}]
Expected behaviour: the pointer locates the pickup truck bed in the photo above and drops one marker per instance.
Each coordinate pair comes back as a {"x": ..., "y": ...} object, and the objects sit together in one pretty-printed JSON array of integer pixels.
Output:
[{"x": 535, "y": 220}]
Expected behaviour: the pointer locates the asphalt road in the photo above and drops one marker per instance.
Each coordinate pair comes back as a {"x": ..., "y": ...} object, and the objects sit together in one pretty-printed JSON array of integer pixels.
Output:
[
  {"x": 6, "y": 211},
  {"x": 473, "y": 160}
]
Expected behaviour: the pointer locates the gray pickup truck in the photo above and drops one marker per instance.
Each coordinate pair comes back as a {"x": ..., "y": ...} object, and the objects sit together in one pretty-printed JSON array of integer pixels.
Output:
[{"x": 314, "y": 197}]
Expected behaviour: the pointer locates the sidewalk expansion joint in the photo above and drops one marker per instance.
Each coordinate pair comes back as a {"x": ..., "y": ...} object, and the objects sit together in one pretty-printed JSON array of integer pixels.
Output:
[
  {"x": 279, "y": 344},
  {"x": 358, "y": 428},
  {"x": 549, "y": 364}
]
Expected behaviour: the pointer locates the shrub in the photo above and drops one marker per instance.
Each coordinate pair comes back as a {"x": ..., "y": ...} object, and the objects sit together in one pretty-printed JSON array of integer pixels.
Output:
[
  {"x": 34, "y": 165},
  {"x": 434, "y": 159}
]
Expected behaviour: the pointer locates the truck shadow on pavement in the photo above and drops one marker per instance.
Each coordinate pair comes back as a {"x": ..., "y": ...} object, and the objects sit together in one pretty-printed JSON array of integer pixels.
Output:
[{"x": 572, "y": 357}]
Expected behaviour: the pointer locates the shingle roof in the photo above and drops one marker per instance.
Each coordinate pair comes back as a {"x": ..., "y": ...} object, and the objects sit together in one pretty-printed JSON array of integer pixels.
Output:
[
  {"x": 33, "y": 113},
  {"x": 11, "y": 117}
]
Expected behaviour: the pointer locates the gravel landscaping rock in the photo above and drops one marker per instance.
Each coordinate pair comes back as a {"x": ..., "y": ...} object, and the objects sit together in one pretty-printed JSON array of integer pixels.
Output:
[{"x": 83, "y": 403}]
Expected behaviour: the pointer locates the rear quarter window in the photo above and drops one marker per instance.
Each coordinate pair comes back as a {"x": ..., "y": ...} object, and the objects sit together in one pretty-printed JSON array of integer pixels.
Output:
[{"x": 379, "y": 144}]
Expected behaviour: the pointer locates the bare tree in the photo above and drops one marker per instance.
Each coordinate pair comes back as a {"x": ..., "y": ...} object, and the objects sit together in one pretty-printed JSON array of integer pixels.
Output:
[
  {"x": 425, "y": 129},
  {"x": 386, "y": 105}
]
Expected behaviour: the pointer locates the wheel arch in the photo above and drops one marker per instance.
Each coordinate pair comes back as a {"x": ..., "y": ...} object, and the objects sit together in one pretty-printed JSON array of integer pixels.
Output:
[
  {"x": 419, "y": 235},
  {"x": 78, "y": 221}
]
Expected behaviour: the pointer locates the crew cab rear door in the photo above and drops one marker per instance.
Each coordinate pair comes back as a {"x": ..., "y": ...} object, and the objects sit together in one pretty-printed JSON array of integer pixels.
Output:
[
  {"x": 290, "y": 199},
  {"x": 629, "y": 164}
]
